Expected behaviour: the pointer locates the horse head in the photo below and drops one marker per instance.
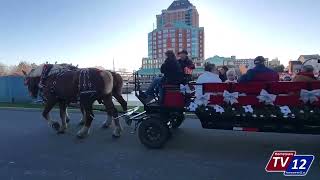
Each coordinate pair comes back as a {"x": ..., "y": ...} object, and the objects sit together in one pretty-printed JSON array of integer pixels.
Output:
[{"x": 31, "y": 81}]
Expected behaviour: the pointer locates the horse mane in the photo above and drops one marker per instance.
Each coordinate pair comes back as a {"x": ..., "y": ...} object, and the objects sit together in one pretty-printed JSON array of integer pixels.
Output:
[{"x": 36, "y": 72}]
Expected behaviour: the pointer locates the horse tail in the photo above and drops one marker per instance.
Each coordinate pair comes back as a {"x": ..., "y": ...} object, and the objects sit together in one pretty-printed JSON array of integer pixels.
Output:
[
  {"x": 107, "y": 79},
  {"x": 117, "y": 90}
]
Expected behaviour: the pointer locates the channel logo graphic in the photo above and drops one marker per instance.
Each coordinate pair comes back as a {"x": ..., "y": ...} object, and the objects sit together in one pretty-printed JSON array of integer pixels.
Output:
[{"x": 289, "y": 163}]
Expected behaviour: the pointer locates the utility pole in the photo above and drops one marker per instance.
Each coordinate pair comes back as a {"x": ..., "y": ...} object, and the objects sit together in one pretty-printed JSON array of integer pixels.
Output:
[{"x": 114, "y": 69}]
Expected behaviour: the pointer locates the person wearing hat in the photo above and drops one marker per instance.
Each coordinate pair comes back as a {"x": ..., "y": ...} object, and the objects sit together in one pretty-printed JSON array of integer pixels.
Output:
[
  {"x": 260, "y": 72},
  {"x": 186, "y": 65}
]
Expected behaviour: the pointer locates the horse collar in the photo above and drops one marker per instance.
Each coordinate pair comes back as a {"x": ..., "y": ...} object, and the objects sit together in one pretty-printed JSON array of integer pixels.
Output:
[{"x": 45, "y": 72}]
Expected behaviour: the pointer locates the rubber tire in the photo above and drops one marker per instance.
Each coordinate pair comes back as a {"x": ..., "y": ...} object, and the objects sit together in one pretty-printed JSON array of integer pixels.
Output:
[
  {"x": 164, "y": 133},
  {"x": 179, "y": 120}
]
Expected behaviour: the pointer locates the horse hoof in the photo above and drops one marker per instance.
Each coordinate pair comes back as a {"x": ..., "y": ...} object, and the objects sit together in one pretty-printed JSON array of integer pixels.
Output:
[
  {"x": 115, "y": 136},
  {"x": 61, "y": 132},
  {"x": 105, "y": 126},
  {"x": 81, "y": 136},
  {"x": 56, "y": 126},
  {"x": 81, "y": 123}
]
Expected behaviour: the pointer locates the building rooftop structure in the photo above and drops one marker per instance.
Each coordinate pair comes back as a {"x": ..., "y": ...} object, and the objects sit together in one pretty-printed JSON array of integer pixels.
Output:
[{"x": 179, "y": 4}]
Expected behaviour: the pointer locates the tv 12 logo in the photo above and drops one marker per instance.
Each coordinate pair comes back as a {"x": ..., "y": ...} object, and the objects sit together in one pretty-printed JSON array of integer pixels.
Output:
[{"x": 289, "y": 163}]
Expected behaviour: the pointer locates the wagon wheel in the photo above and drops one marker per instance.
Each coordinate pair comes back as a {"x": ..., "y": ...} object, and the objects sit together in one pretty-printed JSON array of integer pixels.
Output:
[
  {"x": 176, "y": 120},
  {"x": 153, "y": 133}
]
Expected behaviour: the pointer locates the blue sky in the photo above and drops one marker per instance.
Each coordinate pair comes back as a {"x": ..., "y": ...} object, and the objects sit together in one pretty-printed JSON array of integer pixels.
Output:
[{"x": 92, "y": 33}]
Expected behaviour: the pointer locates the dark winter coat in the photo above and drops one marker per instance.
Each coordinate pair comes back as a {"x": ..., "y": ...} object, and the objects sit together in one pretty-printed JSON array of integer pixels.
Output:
[
  {"x": 172, "y": 72},
  {"x": 259, "y": 73}
]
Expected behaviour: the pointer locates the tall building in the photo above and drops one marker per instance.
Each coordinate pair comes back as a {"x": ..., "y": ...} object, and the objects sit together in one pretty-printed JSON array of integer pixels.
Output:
[
  {"x": 177, "y": 29},
  {"x": 274, "y": 62}
]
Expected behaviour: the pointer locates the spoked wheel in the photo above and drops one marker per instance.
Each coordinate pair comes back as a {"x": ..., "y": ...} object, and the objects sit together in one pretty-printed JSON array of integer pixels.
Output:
[
  {"x": 153, "y": 133},
  {"x": 176, "y": 120}
]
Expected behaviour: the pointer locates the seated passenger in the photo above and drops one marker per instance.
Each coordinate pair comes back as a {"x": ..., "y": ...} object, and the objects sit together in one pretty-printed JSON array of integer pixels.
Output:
[
  {"x": 306, "y": 74},
  {"x": 186, "y": 64},
  {"x": 259, "y": 73},
  {"x": 210, "y": 75},
  {"x": 231, "y": 75},
  {"x": 222, "y": 73},
  {"x": 173, "y": 74}
]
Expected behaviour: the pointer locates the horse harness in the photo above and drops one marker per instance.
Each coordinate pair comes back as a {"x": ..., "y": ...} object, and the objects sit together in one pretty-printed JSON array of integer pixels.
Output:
[
  {"x": 87, "y": 90},
  {"x": 47, "y": 68}
]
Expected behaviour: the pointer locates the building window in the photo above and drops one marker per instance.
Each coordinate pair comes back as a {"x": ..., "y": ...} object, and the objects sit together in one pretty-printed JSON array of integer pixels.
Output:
[
  {"x": 188, "y": 45},
  {"x": 180, "y": 45},
  {"x": 165, "y": 31},
  {"x": 173, "y": 40},
  {"x": 164, "y": 45},
  {"x": 180, "y": 35}
]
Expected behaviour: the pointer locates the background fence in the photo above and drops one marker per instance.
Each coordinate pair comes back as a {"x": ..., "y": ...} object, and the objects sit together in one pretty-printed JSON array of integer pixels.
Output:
[{"x": 12, "y": 90}]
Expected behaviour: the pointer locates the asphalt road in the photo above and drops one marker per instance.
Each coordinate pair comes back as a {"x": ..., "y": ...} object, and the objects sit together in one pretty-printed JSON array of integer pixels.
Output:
[{"x": 29, "y": 150}]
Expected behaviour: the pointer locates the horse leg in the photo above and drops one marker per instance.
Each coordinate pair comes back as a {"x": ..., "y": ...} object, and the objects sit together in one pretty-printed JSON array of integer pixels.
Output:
[
  {"x": 86, "y": 102},
  {"x": 63, "y": 116},
  {"x": 84, "y": 131},
  {"x": 107, "y": 123},
  {"x": 112, "y": 112},
  {"x": 67, "y": 116},
  {"x": 120, "y": 99},
  {"x": 47, "y": 108},
  {"x": 83, "y": 119}
]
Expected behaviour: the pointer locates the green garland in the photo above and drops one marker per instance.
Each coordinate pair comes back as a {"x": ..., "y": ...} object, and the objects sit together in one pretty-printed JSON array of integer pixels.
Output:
[{"x": 307, "y": 114}]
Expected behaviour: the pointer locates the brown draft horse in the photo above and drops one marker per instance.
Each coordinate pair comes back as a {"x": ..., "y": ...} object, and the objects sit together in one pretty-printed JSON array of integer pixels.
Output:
[
  {"x": 117, "y": 94},
  {"x": 86, "y": 85}
]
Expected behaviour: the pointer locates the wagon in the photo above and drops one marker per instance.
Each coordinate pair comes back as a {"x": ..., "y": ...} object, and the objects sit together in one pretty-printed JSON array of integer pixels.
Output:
[{"x": 282, "y": 107}]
